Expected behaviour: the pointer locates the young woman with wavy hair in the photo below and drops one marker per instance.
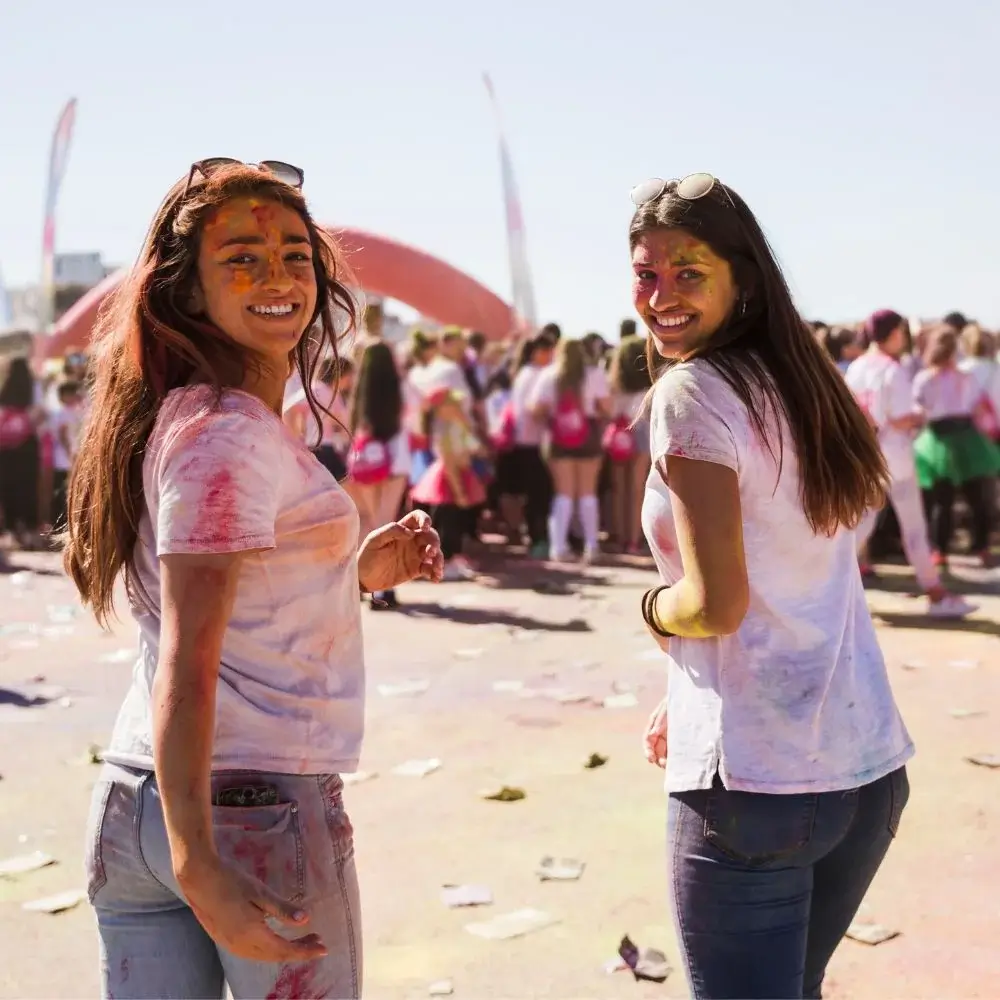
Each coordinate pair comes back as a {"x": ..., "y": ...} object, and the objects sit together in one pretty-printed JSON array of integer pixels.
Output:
[
  {"x": 218, "y": 851},
  {"x": 783, "y": 747}
]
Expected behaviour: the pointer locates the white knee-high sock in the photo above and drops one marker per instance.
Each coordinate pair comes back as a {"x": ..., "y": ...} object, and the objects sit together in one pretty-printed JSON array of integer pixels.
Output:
[
  {"x": 590, "y": 521},
  {"x": 559, "y": 518}
]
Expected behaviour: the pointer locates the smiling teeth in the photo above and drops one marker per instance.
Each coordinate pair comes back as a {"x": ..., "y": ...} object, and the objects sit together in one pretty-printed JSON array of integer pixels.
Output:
[
  {"x": 272, "y": 310},
  {"x": 669, "y": 321}
]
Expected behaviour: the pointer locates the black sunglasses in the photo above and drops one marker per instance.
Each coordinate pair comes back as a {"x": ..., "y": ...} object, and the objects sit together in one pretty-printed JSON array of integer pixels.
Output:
[{"x": 285, "y": 172}]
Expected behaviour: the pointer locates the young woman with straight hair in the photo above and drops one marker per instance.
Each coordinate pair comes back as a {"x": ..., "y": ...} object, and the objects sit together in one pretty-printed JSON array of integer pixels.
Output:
[
  {"x": 379, "y": 455},
  {"x": 218, "y": 849},
  {"x": 783, "y": 746},
  {"x": 571, "y": 399}
]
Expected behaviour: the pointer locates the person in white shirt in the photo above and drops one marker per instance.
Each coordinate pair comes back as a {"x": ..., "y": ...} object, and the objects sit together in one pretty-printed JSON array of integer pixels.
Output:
[
  {"x": 529, "y": 477},
  {"x": 571, "y": 399},
  {"x": 885, "y": 393},
  {"x": 980, "y": 361},
  {"x": 783, "y": 747}
]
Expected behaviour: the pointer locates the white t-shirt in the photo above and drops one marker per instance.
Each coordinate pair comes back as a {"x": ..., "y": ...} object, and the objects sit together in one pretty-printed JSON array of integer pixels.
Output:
[
  {"x": 528, "y": 432},
  {"x": 884, "y": 390},
  {"x": 986, "y": 372},
  {"x": 595, "y": 389},
  {"x": 943, "y": 393},
  {"x": 70, "y": 418},
  {"x": 442, "y": 373},
  {"x": 798, "y": 698},
  {"x": 291, "y": 681}
]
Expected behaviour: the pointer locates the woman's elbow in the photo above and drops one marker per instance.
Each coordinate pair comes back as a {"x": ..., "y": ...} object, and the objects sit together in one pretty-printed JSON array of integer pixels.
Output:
[{"x": 724, "y": 614}]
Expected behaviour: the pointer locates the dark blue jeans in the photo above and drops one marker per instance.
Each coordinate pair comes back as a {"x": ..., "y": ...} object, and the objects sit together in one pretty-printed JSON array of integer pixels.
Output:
[{"x": 764, "y": 887}]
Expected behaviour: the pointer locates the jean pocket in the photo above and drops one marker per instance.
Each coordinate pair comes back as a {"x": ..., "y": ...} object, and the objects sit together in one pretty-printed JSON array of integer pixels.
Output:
[
  {"x": 264, "y": 842},
  {"x": 94, "y": 870},
  {"x": 757, "y": 829},
  {"x": 338, "y": 823},
  {"x": 899, "y": 795}
]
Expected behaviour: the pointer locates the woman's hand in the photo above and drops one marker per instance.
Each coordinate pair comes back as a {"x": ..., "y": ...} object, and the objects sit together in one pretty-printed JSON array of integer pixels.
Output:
[
  {"x": 654, "y": 740},
  {"x": 399, "y": 552},
  {"x": 234, "y": 910}
]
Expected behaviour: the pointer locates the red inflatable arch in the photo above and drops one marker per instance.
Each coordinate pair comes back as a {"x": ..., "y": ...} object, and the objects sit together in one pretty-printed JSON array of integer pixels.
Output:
[{"x": 381, "y": 267}]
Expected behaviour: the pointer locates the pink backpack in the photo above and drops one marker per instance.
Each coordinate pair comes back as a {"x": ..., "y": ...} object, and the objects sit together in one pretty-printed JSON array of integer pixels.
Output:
[
  {"x": 619, "y": 441},
  {"x": 15, "y": 427},
  {"x": 505, "y": 436},
  {"x": 368, "y": 461},
  {"x": 570, "y": 427}
]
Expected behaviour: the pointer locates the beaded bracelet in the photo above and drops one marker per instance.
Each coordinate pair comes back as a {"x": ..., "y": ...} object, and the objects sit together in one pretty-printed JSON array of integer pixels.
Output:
[{"x": 648, "y": 602}]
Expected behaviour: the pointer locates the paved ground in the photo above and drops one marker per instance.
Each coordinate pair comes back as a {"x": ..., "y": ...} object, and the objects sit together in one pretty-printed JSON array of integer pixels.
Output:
[{"x": 559, "y": 632}]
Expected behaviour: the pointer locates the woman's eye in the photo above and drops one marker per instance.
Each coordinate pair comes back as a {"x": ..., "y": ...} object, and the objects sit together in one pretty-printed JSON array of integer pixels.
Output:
[
  {"x": 645, "y": 275},
  {"x": 298, "y": 257},
  {"x": 689, "y": 274},
  {"x": 241, "y": 259}
]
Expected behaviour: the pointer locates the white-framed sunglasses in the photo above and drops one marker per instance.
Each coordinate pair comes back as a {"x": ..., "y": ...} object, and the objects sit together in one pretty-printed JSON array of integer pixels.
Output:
[{"x": 690, "y": 188}]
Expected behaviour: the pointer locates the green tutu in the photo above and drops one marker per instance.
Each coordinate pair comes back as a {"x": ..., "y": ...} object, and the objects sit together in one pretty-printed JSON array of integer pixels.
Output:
[{"x": 957, "y": 457}]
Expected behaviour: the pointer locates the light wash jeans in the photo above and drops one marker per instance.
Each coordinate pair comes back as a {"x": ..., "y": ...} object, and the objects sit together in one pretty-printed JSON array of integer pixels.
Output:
[{"x": 152, "y": 945}]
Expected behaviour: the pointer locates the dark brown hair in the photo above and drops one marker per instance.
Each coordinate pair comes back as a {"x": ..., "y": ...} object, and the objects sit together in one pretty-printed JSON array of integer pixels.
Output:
[
  {"x": 146, "y": 343},
  {"x": 770, "y": 358},
  {"x": 378, "y": 393}
]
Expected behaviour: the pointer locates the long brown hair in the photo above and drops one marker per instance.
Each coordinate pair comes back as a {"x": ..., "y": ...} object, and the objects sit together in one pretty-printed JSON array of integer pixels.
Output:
[
  {"x": 147, "y": 343},
  {"x": 571, "y": 366},
  {"x": 771, "y": 360}
]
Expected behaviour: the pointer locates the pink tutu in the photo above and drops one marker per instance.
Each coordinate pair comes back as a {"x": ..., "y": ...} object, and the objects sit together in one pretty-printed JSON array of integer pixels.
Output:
[{"x": 434, "y": 488}]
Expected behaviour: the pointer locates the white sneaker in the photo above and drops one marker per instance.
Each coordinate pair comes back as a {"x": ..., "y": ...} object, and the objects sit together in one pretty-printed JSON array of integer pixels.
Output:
[
  {"x": 458, "y": 568},
  {"x": 951, "y": 606}
]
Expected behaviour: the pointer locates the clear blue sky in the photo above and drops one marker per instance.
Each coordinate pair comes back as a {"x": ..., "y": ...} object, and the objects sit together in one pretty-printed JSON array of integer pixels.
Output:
[{"x": 864, "y": 133}]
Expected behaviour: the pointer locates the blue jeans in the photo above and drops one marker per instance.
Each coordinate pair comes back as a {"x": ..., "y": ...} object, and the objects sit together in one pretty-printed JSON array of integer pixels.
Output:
[
  {"x": 151, "y": 943},
  {"x": 764, "y": 887}
]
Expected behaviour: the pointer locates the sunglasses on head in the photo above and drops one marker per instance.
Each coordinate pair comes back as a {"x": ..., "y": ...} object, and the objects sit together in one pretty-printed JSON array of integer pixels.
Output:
[
  {"x": 690, "y": 188},
  {"x": 287, "y": 173}
]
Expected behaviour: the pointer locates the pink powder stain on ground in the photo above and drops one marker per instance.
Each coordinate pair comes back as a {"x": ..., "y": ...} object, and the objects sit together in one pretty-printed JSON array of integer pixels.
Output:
[
  {"x": 295, "y": 982},
  {"x": 218, "y": 515}
]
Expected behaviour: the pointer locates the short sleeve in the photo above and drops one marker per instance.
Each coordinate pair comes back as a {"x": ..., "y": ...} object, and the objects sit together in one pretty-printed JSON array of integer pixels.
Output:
[
  {"x": 696, "y": 415},
  {"x": 218, "y": 486},
  {"x": 543, "y": 393},
  {"x": 597, "y": 385}
]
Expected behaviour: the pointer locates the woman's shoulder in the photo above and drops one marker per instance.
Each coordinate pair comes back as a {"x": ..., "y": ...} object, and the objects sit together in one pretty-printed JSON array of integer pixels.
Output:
[
  {"x": 197, "y": 413},
  {"x": 695, "y": 382}
]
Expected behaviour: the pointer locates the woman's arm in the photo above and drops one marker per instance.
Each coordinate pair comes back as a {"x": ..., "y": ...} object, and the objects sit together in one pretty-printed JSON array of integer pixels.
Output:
[
  {"x": 712, "y": 596},
  {"x": 197, "y": 596},
  {"x": 452, "y": 470}
]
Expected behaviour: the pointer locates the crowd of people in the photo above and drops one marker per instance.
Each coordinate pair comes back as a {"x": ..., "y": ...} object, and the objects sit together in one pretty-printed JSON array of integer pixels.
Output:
[
  {"x": 246, "y": 514},
  {"x": 543, "y": 441}
]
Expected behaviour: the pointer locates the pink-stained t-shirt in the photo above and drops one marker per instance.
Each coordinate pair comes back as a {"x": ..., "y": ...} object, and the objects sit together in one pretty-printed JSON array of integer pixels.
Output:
[
  {"x": 798, "y": 698},
  {"x": 228, "y": 476}
]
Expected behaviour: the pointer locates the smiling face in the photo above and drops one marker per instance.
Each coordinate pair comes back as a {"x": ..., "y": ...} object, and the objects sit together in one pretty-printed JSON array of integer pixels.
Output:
[
  {"x": 256, "y": 278},
  {"x": 681, "y": 288}
]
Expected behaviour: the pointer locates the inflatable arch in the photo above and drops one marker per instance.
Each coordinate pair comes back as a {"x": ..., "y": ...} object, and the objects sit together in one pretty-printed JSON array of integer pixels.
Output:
[{"x": 381, "y": 266}]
